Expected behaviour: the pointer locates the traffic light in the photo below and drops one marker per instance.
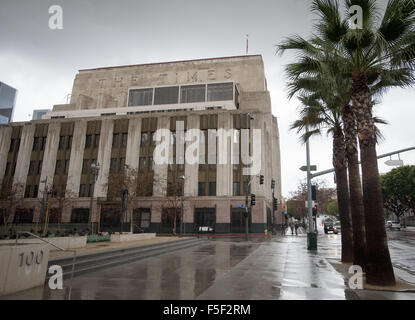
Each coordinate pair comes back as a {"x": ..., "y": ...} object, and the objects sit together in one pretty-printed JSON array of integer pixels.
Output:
[
  {"x": 315, "y": 211},
  {"x": 252, "y": 199},
  {"x": 313, "y": 192},
  {"x": 275, "y": 203},
  {"x": 261, "y": 179},
  {"x": 272, "y": 184}
]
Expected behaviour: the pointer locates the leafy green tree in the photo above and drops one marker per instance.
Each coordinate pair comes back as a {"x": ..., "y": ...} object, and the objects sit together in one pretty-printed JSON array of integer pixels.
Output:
[{"x": 398, "y": 189}]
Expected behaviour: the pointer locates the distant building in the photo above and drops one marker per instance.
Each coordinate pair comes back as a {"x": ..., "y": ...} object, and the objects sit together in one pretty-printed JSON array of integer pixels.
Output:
[
  {"x": 7, "y": 100},
  {"x": 38, "y": 114}
]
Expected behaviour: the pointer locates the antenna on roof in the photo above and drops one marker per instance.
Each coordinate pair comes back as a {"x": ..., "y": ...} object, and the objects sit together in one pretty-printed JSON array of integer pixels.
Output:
[{"x": 247, "y": 44}]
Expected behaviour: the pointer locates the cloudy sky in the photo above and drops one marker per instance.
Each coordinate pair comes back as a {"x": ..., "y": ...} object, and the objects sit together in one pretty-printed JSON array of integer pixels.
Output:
[{"x": 42, "y": 63}]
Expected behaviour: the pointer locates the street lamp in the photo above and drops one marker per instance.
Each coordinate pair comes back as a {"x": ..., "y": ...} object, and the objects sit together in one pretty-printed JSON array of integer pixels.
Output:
[
  {"x": 249, "y": 117},
  {"x": 124, "y": 199},
  {"x": 181, "y": 206},
  {"x": 94, "y": 171}
]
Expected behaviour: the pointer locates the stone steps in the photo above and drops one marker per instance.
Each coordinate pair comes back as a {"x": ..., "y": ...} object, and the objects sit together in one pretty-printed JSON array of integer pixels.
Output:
[{"x": 94, "y": 261}]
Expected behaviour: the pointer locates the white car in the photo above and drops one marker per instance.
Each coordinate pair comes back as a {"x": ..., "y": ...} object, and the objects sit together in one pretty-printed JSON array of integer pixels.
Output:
[{"x": 393, "y": 225}]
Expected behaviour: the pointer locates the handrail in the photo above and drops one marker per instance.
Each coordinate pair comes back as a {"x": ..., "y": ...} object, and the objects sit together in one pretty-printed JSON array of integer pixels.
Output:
[{"x": 62, "y": 249}]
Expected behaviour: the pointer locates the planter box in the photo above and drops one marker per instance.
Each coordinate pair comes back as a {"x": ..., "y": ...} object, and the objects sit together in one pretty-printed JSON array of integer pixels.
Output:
[
  {"x": 62, "y": 242},
  {"x": 131, "y": 236},
  {"x": 22, "y": 267}
]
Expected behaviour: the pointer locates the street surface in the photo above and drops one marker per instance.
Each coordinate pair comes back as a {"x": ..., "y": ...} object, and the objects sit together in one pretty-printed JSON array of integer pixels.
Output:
[{"x": 229, "y": 268}]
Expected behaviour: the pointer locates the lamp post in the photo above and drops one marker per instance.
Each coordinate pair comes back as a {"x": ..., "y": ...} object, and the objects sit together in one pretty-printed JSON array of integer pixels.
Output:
[
  {"x": 124, "y": 199},
  {"x": 181, "y": 206},
  {"x": 94, "y": 171},
  {"x": 249, "y": 117}
]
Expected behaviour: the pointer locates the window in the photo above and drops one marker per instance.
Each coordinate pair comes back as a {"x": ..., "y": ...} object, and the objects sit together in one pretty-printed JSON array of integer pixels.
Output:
[
  {"x": 85, "y": 166},
  {"x": 236, "y": 189},
  {"x": 96, "y": 141},
  {"x": 143, "y": 164},
  {"x": 113, "y": 165},
  {"x": 7, "y": 170},
  {"x": 201, "y": 189},
  {"x": 80, "y": 215},
  {"x": 88, "y": 141},
  {"x": 115, "y": 140},
  {"x": 192, "y": 93},
  {"x": 151, "y": 163},
  {"x": 12, "y": 141},
  {"x": 58, "y": 166},
  {"x": 27, "y": 192},
  {"x": 220, "y": 91},
  {"x": 82, "y": 190},
  {"x": 124, "y": 140},
  {"x": 69, "y": 143},
  {"x": 144, "y": 138},
  {"x": 35, "y": 191},
  {"x": 66, "y": 166},
  {"x": 31, "y": 167},
  {"x": 39, "y": 167},
  {"x": 166, "y": 95},
  {"x": 212, "y": 188},
  {"x": 141, "y": 97},
  {"x": 42, "y": 146},
  {"x": 122, "y": 164},
  {"x": 61, "y": 142},
  {"x": 245, "y": 187},
  {"x": 35, "y": 143},
  {"x": 152, "y": 141}
]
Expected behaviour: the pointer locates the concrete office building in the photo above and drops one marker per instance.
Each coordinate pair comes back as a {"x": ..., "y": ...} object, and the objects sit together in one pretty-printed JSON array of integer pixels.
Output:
[
  {"x": 111, "y": 120},
  {"x": 7, "y": 101}
]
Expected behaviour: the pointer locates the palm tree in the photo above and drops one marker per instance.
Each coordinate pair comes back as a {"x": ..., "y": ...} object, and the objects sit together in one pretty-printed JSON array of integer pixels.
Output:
[
  {"x": 318, "y": 114},
  {"x": 370, "y": 57}
]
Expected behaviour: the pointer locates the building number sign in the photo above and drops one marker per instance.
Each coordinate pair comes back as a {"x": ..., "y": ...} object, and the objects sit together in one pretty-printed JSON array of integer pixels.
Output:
[{"x": 31, "y": 258}]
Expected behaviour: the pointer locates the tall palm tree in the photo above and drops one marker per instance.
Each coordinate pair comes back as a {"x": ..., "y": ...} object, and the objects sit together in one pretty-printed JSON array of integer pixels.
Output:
[
  {"x": 317, "y": 114},
  {"x": 367, "y": 56}
]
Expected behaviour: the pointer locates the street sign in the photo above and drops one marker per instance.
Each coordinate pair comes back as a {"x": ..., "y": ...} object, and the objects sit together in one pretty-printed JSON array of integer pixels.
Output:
[
  {"x": 312, "y": 168},
  {"x": 394, "y": 163}
]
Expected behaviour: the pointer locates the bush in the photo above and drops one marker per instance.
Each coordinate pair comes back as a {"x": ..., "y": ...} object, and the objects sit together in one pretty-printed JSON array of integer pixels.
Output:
[{"x": 98, "y": 238}]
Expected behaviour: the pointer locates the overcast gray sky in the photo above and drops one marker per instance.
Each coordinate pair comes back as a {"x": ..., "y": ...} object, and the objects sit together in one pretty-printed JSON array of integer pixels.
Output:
[{"x": 42, "y": 63}]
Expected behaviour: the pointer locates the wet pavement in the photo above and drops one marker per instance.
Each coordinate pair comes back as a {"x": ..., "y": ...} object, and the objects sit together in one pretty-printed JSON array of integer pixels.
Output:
[{"x": 224, "y": 268}]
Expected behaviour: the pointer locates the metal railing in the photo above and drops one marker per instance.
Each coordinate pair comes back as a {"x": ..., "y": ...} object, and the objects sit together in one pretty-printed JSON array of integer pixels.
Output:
[{"x": 57, "y": 247}]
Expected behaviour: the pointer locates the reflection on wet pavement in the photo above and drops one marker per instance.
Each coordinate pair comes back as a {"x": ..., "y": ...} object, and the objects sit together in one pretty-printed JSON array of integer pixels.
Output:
[{"x": 279, "y": 268}]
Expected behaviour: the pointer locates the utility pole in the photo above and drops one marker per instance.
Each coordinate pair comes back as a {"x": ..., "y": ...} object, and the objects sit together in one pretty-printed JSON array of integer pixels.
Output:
[
  {"x": 311, "y": 236},
  {"x": 181, "y": 206}
]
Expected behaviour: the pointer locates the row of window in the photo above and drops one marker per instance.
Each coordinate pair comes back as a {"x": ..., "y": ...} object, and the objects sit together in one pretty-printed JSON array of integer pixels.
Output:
[
  {"x": 181, "y": 94},
  {"x": 39, "y": 143},
  {"x": 65, "y": 142}
]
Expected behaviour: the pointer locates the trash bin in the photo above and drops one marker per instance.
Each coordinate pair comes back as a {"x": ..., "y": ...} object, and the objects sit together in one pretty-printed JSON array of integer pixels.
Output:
[{"x": 312, "y": 241}]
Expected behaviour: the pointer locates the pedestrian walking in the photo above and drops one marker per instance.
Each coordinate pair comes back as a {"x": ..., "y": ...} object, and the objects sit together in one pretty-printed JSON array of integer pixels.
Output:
[
  {"x": 292, "y": 227},
  {"x": 296, "y": 226}
]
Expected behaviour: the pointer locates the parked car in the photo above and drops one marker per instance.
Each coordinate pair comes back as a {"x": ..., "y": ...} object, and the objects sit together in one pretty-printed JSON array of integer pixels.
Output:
[{"x": 393, "y": 225}]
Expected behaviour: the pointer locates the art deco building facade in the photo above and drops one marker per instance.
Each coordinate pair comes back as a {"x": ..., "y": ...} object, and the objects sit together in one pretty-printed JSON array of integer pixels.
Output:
[{"x": 111, "y": 120}]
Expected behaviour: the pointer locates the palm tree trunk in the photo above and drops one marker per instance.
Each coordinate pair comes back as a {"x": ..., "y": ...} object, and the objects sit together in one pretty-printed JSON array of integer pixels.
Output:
[
  {"x": 379, "y": 270},
  {"x": 355, "y": 188},
  {"x": 340, "y": 168}
]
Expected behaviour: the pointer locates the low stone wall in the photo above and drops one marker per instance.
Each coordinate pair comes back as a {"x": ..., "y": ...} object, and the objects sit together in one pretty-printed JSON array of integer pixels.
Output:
[
  {"x": 131, "y": 236},
  {"x": 22, "y": 267},
  {"x": 62, "y": 242}
]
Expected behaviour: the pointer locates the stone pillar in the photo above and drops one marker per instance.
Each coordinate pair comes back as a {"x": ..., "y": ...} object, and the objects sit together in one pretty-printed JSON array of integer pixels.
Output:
[
  {"x": 161, "y": 170},
  {"x": 23, "y": 158},
  {"x": 75, "y": 162},
  {"x": 104, "y": 157},
  {"x": 49, "y": 157},
  {"x": 191, "y": 170},
  {"x": 5, "y": 138},
  {"x": 132, "y": 154},
  {"x": 224, "y": 166}
]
